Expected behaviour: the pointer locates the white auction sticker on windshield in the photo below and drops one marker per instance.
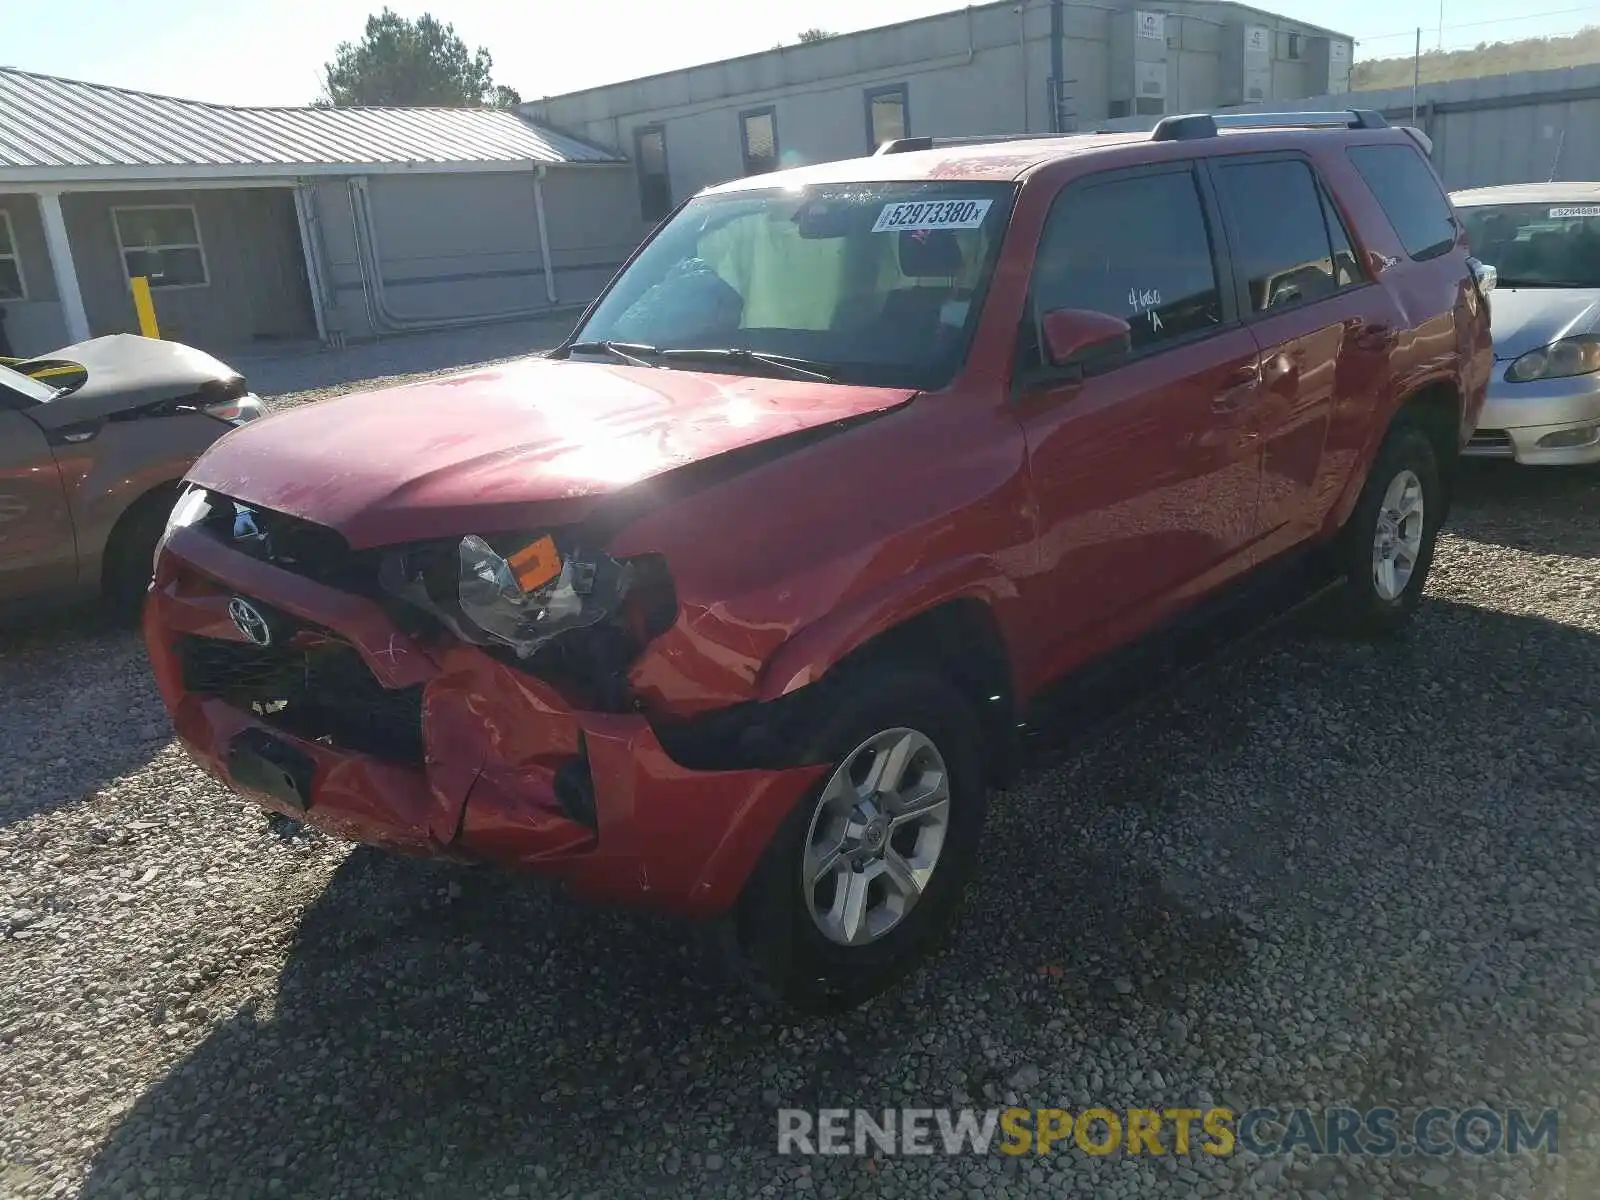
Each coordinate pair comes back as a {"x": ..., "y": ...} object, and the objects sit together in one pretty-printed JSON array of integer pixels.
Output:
[
  {"x": 925, "y": 215},
  {"x": 1575, "y": 210}
]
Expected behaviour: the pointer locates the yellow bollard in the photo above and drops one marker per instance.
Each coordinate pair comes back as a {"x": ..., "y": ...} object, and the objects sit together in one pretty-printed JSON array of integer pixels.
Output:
[{"x": 144, "y": 306}]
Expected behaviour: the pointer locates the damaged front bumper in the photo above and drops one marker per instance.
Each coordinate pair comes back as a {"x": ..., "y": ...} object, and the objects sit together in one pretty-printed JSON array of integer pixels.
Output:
[{"x": 440, "y": 748}]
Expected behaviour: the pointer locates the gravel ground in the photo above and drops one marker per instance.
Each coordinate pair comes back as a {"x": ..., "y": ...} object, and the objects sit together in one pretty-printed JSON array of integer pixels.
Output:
[{"x": 1325, "y": 873}]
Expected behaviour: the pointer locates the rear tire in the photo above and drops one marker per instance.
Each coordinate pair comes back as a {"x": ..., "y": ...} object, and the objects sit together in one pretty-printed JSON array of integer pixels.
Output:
[
  {"x": 130, "y": 553},
  {"x": 1386, "y": 547},
  {"x": 890, "y": 866}
]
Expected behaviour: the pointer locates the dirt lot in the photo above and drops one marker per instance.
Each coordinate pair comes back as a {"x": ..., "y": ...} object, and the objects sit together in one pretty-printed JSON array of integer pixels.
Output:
[{"x": 1324, "y": 874}]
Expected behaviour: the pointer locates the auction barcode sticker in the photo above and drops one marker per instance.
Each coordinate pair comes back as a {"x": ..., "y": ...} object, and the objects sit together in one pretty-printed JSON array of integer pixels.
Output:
[
  {"x": 1575, "y": 210},
  {"x": 931, "y": 214}
]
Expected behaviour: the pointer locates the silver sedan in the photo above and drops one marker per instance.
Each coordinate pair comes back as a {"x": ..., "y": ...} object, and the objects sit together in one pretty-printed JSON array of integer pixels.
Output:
[{"x": 1544, "y": 398}]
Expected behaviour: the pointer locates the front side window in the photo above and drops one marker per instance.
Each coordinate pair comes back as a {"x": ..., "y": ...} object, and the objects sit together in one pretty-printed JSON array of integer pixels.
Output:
[
  {"x": 650, "y": 158},
  {"x": 1137, "y": 248},
  {"x": 875, "y": 283},
  {"x": 12, "y": 286},
  {"x": 1537, "y": 245},
  {"x": 1407, "y": 191},
  {"x": 758, "y": 130},
  {"x": 162, "y": 243},
  {"x": 886, "y": 115},
  {"x": 1280, "y": 228}
]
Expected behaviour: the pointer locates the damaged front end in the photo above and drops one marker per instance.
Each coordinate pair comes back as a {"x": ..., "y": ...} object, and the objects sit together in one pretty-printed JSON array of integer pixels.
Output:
[{"x": 467, "y": 698}]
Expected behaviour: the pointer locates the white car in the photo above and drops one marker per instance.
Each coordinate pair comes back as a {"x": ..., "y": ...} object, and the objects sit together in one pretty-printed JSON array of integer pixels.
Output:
[{"x": 1543, "y": 406}]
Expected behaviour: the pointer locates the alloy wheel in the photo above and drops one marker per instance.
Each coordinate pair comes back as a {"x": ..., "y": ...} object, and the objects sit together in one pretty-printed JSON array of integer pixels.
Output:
[
  {"x": 1397, "y": 541},
  {"x": 876, "y": 836}
]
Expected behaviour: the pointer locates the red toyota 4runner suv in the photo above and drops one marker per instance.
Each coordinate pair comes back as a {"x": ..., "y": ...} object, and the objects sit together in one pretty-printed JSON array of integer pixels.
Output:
[{"x": 737, "y": 602}]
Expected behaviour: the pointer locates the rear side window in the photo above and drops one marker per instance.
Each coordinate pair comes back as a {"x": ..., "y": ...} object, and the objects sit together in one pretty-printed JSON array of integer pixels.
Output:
[
  {"x": 1136, "y": 248},
  {"x": 1282, "y": 247},
  {"x": 1409, "y": 195}
]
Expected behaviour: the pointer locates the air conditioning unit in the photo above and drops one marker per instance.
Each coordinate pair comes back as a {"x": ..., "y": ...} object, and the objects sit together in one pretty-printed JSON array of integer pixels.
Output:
[
  {"x": 1246, "y": 64},
  {"x": 1327, "y": 66},
  {"x": 1138, "y": 76}
]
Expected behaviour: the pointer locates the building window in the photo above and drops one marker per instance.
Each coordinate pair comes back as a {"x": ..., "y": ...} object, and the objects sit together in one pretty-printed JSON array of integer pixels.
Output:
[
  {"x": 758, "y": 131},
  {"x": 887, "y": 118},
  {"x": 162, "y": 243},
  {"x": 12, "y": 285},
  {"x": 655, "y": 190},
  {"x": 1294, "y": 45}
]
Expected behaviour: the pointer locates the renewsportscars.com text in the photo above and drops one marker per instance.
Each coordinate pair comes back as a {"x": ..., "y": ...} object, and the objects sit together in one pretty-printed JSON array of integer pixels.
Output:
[{"x": 1380, "y": 1131}]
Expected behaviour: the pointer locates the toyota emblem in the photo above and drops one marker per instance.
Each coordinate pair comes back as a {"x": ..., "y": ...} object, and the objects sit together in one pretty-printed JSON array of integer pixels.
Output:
[{"x": 248, "y": 620}]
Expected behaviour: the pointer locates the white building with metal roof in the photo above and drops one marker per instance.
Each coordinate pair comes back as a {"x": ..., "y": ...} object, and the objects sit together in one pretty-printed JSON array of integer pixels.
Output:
[{"x": 260, "y": 224}]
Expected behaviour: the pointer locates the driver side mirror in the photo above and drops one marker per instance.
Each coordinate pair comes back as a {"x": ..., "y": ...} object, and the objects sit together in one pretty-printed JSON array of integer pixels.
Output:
[{"x": 1072, "y": 336}]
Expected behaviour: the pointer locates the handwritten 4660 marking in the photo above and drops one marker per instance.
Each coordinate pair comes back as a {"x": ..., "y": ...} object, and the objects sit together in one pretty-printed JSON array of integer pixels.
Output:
[{"x": 1146, "y": 301}]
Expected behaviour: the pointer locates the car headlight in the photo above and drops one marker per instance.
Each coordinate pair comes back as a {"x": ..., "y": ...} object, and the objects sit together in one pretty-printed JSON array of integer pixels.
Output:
[
  {"x": 516, "y": 592},
  {"x": 1559, "y": 360},
  {"x": 527, "y": 597},
  {"x": 193, "y": 506},
  {"x": 236, "y": 411}
]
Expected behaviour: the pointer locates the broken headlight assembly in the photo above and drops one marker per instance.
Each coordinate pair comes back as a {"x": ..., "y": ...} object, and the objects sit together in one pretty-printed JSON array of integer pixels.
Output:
[{"x": 522, "y": 594}]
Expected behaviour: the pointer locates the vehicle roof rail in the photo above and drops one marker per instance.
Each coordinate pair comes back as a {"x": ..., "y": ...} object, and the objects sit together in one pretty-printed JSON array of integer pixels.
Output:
[
  {"x": 1187, "y": 127},
  {"x": 906, "y": 144},
  {"x": 1350, "y": 118}
]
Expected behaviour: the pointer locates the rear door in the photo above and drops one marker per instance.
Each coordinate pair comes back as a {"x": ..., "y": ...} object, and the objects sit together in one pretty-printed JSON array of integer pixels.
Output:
[
  {"x": 1299, "y": 292},
  {"x": 38, "y": 551},
  {"x": 1144, "y": 469}
]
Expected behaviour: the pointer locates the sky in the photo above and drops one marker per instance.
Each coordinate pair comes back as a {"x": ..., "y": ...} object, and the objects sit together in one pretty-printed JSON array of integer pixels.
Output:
[{"x": 272, "y": 53}]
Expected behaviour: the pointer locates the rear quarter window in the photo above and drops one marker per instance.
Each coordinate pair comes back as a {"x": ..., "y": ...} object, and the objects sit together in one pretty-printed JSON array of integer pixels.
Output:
[{"x": 1405, "y": 188}]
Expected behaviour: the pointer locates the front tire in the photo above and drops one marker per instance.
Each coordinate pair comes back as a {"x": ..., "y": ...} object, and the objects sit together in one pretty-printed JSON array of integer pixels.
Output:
[
  {"x": 130, "y": 553},
  {"x": 866, "y": 873},
  {"x": 1387, "y": 546}
]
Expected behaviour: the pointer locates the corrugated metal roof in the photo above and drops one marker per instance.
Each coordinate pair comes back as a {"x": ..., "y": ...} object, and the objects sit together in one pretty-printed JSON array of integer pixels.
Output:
[{"x": 49, "y": 124}]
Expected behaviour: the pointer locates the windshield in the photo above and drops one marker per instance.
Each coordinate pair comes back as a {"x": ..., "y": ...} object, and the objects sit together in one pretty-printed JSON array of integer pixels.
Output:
[
  {"x": 872, "y": 283},
  {"x": 1537, "y": 245},
  {"x": 26, "y": 385}
]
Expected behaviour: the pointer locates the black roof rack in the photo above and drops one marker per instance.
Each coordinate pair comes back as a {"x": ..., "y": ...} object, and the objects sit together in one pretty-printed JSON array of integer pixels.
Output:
[
  {"x": 907, "y": 144},
  {"x": 1192, "y": 126}
]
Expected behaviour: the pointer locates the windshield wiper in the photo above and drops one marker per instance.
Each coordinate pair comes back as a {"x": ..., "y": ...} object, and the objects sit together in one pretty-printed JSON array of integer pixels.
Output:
[
  {"x": 800, "y": 368},
  {"x": 628, "y": 352}
]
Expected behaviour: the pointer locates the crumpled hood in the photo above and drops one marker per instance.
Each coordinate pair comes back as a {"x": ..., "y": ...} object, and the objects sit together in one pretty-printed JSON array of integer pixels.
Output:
[
  {"x": 1524, "y": 319},
  {"x": 533, "y": 441},
  {"x": 124, "y": 371}
]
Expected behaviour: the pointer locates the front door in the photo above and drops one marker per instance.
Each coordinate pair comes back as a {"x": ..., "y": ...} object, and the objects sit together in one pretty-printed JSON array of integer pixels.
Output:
[
  {"x": 38, "y": 551},
  {"x": 1145, "y": 470}
]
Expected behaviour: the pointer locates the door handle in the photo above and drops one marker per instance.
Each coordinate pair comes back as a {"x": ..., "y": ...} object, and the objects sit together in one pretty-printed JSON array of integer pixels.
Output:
[
  {"x": 1237, "y": 390},
  {"x": 1281, "y": 372},
  {"x": 1376, "y": 337}
]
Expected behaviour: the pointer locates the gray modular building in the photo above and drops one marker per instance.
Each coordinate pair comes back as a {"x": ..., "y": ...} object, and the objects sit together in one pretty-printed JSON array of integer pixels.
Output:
[
  {"x": 1525, "y": 127},
  {"x": 260, "y": 224},
  {"x": 1039, "y": 66}
]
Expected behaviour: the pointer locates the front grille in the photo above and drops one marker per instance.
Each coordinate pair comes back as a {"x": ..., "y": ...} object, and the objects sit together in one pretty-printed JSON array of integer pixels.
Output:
[
  {"x": 324, "y": 693},
  {"x": 302, "y": 547},
  {"x": 1490, "y": 440}
]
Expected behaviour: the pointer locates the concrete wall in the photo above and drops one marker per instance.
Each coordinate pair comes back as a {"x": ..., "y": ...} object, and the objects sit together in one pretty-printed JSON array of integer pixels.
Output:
[
  {"x": 965, "y": 73},
  {"x": 33, "y": 325},
  {"x": 464, "y": 245},
  {"x": 1518, "y": 128},
  {"x": 256, "y": 290}
]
